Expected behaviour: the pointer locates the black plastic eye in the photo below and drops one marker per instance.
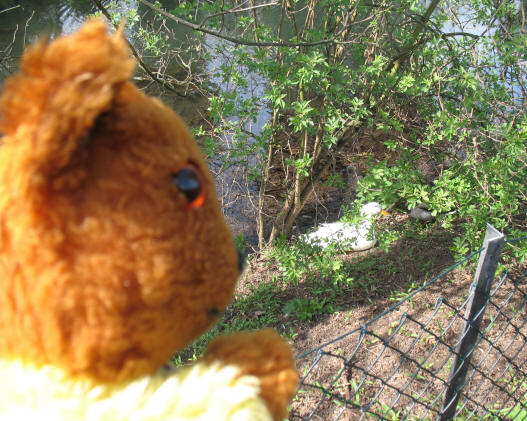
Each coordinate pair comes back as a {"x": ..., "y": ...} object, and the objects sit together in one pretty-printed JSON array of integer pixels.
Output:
[{"x": 188, "y": 181}]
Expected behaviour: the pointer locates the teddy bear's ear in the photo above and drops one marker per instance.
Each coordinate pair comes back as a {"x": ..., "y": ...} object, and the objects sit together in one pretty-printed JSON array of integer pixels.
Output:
[{"x": 63, "y": 86}]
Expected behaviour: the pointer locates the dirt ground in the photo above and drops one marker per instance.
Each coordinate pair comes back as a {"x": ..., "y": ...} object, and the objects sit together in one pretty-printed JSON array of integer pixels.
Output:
[
  {"x": 357, "y": 365},
  {"x": 399, "y": 363},
  {"x": 396, "y": 366}
]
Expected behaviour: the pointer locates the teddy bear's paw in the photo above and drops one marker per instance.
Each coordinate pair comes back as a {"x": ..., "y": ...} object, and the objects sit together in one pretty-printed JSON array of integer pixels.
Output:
[{"x": 265, "y": 355}]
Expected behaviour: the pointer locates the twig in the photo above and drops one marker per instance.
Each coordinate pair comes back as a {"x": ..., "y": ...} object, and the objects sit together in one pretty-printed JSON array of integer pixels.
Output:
[
  {"x": 25, "y": 27},
  {"x": 235, "y": 10},
  {"x": 9, "y": 9}
]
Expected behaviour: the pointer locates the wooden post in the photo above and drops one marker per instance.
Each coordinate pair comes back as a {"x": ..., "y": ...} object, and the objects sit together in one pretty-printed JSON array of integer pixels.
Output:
[{"x": 487, "y": 264}]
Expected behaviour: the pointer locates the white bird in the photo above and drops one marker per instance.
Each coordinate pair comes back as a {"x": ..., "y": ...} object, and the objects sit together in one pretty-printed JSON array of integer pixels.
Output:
[{"x": 355, "y": 237}]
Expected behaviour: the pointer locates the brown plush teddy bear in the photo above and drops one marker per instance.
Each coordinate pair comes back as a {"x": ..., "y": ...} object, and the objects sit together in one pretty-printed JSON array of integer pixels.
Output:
[{"x": 114, "y": 253}]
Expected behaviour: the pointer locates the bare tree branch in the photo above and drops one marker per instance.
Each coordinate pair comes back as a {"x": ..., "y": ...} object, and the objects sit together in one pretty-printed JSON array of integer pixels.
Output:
[
  {"x": 393, "y": 67},
  {"x": 236, "y": 10},
  {"x": 462, "y": 34},
  {"x": 9, "y": 9}
]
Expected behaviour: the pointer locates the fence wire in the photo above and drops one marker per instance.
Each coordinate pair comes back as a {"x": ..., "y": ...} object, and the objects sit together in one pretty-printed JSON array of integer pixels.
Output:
[{"x": 398, "y": 365}]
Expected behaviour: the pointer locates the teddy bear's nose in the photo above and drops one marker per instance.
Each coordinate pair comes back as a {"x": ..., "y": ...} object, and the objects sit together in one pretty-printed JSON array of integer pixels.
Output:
[{"x": 241, "y": 260}]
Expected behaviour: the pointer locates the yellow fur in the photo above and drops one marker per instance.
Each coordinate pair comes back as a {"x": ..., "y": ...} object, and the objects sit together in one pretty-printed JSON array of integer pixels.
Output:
[{"x": 201, "y": 392}]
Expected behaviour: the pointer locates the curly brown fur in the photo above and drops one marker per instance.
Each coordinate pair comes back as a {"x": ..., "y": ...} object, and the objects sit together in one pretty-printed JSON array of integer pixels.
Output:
[{"x": 103, "y": 269}]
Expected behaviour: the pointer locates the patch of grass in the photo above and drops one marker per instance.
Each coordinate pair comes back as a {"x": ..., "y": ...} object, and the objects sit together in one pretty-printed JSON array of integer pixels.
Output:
[
  {"x": 305, "y": 309},
  {"x": 257, "y": 309},
  {"x": 304, "y": 283}
]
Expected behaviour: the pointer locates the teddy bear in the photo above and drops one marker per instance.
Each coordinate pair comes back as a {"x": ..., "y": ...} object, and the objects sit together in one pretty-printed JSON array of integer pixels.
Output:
[{"x": 114, "y": 253}]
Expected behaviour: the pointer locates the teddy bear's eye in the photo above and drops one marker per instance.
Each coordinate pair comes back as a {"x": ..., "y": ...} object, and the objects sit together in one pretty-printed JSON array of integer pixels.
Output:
[{"x": 189, "y": 182}]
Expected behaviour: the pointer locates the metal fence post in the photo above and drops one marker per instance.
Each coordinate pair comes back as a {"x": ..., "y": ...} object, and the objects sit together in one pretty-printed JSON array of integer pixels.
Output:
[{"x": 487, "y": 264}]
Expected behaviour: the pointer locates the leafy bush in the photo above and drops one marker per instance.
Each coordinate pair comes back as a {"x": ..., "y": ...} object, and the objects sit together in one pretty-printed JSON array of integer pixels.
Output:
[{"x": 449, "y": 97}]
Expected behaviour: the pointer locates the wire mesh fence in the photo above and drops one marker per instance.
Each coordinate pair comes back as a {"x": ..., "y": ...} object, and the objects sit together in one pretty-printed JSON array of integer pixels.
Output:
[{"x": 456, "y": 354}]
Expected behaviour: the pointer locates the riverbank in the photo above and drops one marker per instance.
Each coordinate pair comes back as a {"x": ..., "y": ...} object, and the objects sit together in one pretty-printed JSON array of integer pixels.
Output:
[{"x": 312, "y": 297}]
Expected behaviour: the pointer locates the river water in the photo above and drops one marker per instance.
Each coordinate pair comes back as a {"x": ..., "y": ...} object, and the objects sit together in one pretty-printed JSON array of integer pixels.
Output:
[{"x": 23, "y": 22}]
